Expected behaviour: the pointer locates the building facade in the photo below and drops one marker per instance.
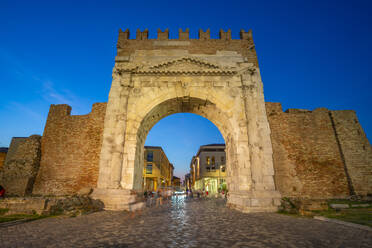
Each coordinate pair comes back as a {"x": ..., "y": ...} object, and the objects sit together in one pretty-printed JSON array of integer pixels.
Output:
[
  {"x": 208, "y": 169},
  {"x": 158, "y": 171},
  {"x": 188, "y": 182},
  {"x": 176, "y": 182}
]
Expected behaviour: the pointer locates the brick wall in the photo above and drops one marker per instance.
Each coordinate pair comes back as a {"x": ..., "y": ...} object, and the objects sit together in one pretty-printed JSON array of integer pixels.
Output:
[
  {"x": 306, "y": 155},
  {"x": 2, "y": 158},
  {"x": 320, "y": 153},
  {"x": 356, "y": 150},
  {"x": 310, "y": 150},
  {"x": 70, "y": 149},
  {"x": 21, "y": 165}
]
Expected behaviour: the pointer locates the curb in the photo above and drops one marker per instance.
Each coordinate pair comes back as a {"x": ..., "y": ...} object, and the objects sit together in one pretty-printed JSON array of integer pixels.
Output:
[
  {"x": 367, "y": 228},
  {"x": 14, "y": 222}
]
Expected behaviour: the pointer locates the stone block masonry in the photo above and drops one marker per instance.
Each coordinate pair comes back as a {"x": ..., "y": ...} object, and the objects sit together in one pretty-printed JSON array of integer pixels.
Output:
[
  {"x": 319, "y": 154},
  {"x": 70, "y": 150},
  {"x": 21, "y": 165}
]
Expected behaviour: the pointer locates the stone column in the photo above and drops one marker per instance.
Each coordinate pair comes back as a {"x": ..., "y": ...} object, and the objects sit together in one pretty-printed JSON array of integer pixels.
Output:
[
  {"x": 261, "y": 194},
  {"x": 109, "y": 189}
]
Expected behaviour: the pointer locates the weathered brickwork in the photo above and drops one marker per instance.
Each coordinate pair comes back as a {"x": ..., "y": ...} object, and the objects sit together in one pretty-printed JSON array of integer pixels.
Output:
[
  {"x": 21, "y": 165},
  {"x": 70, "y": 150},
  {"x": 3, "y": 152},
  {"x": 306, "y": 152},
  {"x": 356, "y": 150}
]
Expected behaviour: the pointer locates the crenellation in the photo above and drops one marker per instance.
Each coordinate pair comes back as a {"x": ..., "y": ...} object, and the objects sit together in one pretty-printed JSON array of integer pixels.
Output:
[
  {"x": 204, "y": 35},
  {"x": 183, "y": 35},
  {"x": 142, "y": 35},
  {"x": 124, "y": 35},
  {"x": 202, "y": 45},
  {"x": 163, "y": 35},
  {"x": 246, "y": 35},
  {"x": 225, "y": 35}
]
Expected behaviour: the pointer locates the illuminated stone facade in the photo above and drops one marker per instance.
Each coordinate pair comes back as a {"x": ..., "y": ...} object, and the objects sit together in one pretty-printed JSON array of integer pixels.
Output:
[
  {"x": 208, "y": 169},
  {"x": 217, "y": 79},
  {"x": 158, "y": 171}
]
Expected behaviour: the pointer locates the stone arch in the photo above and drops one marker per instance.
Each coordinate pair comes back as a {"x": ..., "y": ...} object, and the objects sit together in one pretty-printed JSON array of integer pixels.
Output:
[
  {"x": 150, "y": 104},
  {"x": 201, "y": 107},
  {"x": 229, "y": 96}
]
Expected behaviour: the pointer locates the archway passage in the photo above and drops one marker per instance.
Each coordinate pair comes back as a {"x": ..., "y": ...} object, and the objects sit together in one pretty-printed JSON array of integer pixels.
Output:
[
  {"x": 176, "y": 105},
  {"x": 175, "y": 149},
  {"x": 222, "y": 86}
]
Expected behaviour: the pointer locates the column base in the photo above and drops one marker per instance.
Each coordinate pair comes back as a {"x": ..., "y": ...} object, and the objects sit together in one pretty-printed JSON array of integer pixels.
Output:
[
  {"x": 118, "y": 199},
  {"x": 254, "y": 201}
]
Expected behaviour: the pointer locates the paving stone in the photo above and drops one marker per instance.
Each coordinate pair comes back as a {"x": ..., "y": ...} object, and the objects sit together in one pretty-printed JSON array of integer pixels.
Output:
[{"x": 183, "y": 222}]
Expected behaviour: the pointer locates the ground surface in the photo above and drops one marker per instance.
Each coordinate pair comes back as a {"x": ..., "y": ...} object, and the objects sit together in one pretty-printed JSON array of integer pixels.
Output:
[{"x": 183, "y": 223}]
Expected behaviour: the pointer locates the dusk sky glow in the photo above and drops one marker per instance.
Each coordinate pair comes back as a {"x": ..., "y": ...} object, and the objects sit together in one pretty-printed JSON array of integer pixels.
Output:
[{"x": 311, "y": 54}]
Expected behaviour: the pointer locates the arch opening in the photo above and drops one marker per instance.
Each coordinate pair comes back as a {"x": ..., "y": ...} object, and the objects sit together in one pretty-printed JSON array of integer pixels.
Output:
[
  {"x": 200, "y": 107},
  {"x": 170, "y": 152}
]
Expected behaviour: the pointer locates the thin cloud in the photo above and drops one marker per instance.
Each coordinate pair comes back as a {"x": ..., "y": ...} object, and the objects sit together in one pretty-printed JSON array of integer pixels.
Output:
[
  {"x": 25, "y": 109},
  {"x": 49, "y": 93},
  {"x": 53, "y": 96}
]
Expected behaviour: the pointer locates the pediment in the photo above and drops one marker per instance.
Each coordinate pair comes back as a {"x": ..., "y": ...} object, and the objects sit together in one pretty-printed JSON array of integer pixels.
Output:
[{"x": 184, "y": 65}]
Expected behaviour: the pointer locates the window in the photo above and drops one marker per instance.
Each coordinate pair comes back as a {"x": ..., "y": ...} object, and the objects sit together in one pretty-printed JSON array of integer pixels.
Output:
[
  {"x": 213, "y": 168},
  {"x": 208, "y": 160},
  {"x": 208, "y": 169},
  {"x": 223, "y": 168},
  {"x": 222, "y": 159},
  {"x": 150, "y": 156},
  {"x": 149, "y": 169},
  {"x": 213, "y": 160}
]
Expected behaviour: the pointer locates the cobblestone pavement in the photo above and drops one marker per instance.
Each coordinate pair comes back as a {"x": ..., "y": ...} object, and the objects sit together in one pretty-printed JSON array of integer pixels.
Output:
[{"x": 183, "y": 223}]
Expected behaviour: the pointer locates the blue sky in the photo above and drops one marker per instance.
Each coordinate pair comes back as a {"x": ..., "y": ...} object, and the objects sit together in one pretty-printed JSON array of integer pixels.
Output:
[{"x": 311, "y": 54}]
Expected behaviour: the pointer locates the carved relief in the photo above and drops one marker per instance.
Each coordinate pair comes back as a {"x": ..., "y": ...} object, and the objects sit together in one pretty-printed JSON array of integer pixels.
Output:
[{"x": 181, "y": 66}]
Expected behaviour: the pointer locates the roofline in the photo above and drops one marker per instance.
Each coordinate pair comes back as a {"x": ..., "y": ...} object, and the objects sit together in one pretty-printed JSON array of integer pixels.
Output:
[
  {"x": 209, "y": 145},
  {"x": 153, "y": 147},
  {"x": 160, "y": 148}
]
